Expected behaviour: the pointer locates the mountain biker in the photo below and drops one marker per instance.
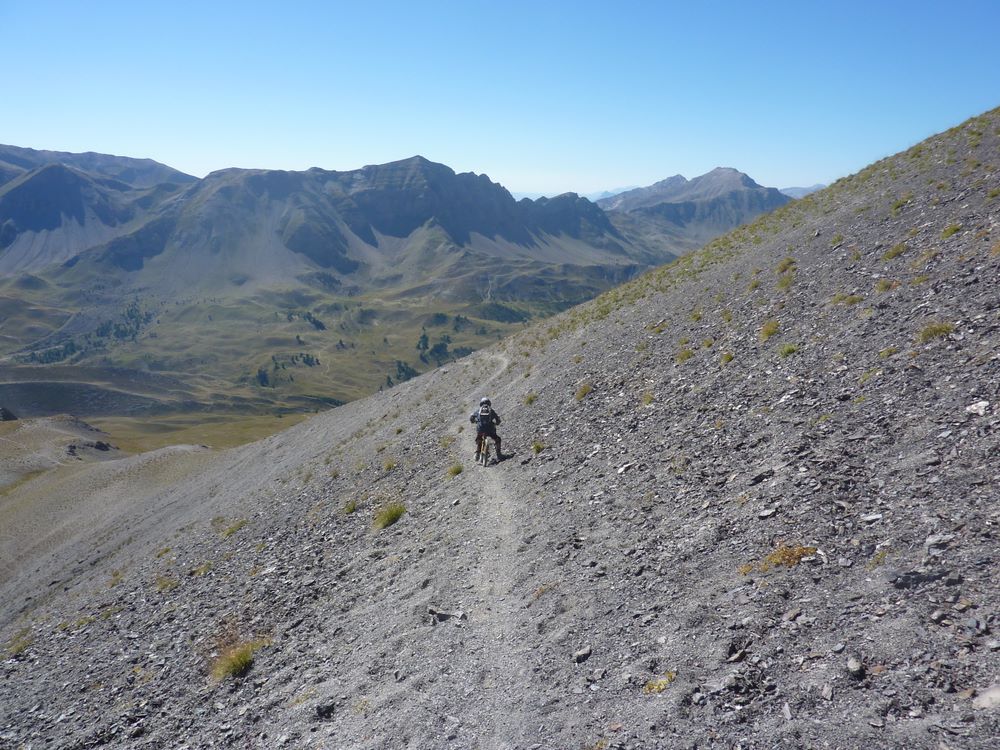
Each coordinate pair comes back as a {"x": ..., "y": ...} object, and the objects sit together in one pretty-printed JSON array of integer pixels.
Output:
[{"x": 486, "y": 421}]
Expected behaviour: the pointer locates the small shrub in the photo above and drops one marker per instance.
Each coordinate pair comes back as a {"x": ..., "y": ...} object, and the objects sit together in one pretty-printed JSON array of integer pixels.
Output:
[
  {"x": 769, "y": 328},
  {"x": 888, "y": 352},
  {"x": 787, "y": 350},
  {"x": 583, "y": 390},
  {"x": 754, "y": 283},
  {"x": 537, "y": 447},
  {"x": 454, "y": 470},
  {"x": 918, "y": 280},
  {"x": 696, "y": 315},
  {"x": 895, "y": 251},
  {"x": 727, "y": 316},
  {"x": 836, "y": 239},
  {"x": 116, "y": 578},
  {"x": 389, "y": 464},
  {"x": 707, "y": 343},
  {"x": 885, "y": 285},
  {"x": 530, "y": 399},
  {"x": 350, "y": 506},
  {"x": 399, "y": 430},
  {"x": 162, "y": 552},
  {"x": 726, "y": 358},
  {"x": 334, "y": 474},
  {"x": 785, "y": 281},
  {"x": 949, "y": 230},
  {"x": 647, "y": 398},
  {"x": 236, "y": 660},
  {"x": 933, "y": 331},
  {"x": 387, "y": 516},
  {"x": 684, "y": 355},
  {"x": 785, "y": 265},
  {"x": 446, "y": 441}
]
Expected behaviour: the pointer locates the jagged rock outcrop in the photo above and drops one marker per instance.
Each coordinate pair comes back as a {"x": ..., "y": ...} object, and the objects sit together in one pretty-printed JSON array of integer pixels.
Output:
[{"x": 751, "y": 503}]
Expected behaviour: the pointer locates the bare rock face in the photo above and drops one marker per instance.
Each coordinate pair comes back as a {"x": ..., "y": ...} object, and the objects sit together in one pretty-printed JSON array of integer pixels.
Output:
[{"x": 750, "y": 506}]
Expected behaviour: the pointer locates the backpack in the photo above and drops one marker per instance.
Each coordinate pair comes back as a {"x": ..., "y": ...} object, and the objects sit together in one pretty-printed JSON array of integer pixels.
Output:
[{"x": 484, "y": 419}]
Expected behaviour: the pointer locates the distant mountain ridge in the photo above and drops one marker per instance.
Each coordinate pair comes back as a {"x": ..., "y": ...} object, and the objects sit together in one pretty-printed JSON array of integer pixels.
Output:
[
  {"x": 134, "y": 265},
  {"x": 15, "y": 160},
  {"x": 685, "y": 214}
]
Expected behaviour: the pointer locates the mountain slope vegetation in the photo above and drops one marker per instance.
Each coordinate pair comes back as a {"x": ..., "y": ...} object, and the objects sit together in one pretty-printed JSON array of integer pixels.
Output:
[{"x": 751, "y": 503}]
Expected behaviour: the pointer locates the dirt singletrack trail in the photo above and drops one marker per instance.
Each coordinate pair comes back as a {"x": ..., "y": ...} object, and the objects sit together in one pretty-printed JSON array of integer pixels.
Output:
[{"x": 504, "y": 672}]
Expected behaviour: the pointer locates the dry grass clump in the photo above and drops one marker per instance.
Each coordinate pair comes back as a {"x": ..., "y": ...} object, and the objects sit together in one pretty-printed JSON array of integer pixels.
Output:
[
  {"x": 233, "y": 528},
  {"x": 847, "y": 299},
  {"x": 537, "y": 447},
  {"x": 388, "y": 515},
  {"x": 583, "y": 390},
  {"x": 454, "y": 470},
  {"x": 236, "y": 659},
  {"x": 788, "y": 350},
  {"x": 684, "y": 355},
  {"x": 350, "y": 506},
  {"x": 726, "y": 358},
  {"x": 389, "y": 464},
  {"x": 933, "y": 331},
  {"x": 166, "y": 583},
  {"x": 659, "y": 684},
  {"x": 783, "y": 556},
  {"x": 949, "y": 230},
  {"x": 895, "y": 251},
  {"x": 769, "y": 328},
  {"x": 20, "y": 642},
  {"x": 530, "y": 398}
]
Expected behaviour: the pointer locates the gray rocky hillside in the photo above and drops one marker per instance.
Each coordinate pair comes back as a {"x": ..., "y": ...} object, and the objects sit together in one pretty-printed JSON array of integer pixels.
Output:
[{"x": 752, "y": 504}]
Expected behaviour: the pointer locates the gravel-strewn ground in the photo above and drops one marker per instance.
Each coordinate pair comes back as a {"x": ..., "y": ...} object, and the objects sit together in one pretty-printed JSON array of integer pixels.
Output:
[{"x": 796, "y": 547}]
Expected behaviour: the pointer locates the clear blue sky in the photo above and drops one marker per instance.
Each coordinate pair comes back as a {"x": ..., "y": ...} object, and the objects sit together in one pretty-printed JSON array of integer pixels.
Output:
[{"x": 542, "y": 96}]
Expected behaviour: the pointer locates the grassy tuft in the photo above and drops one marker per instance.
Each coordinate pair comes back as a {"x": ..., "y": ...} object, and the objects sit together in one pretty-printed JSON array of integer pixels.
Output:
[
  {"x": 783, "y": 556},
  {"x": 583, "y": 390},
  {"x": 933, "y": 331},
  {"x": 454, "y": 470},
  {"x": 659, "y": 684},
  {"x": 233, "y": 528},
  {"x": 884, "y": 285},
  {"x": 389, "y": 464},
  {"x": 20, "y": 642},
  {"x": 895, "y": 251},
  {"x": 388, "y": 515},
  {"x": 684, "y": 355},
  {"x": 888, "y": 352},
  {"x": 949, "y": 230},
  {"x": 787, "y": 350},
  {"x": 647, "y": 398},
  {"x": 350, "y": 506},
  {"x": 166, "y": 583},
  {"x": 726, "y": 358},
  {"x": 769, "y": 328},
  {"x": 530, "y": 398},
  {"x": 236, "y": 660},
  {"x": 537, "y": 447}
]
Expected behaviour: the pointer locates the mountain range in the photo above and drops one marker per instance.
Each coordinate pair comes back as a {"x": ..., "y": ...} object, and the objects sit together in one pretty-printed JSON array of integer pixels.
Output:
[
  {"x": 749, "y": 501},
  {"x": 130, "y": 288}
]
